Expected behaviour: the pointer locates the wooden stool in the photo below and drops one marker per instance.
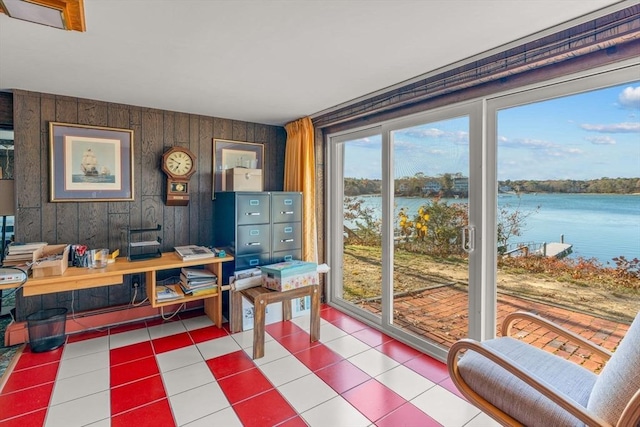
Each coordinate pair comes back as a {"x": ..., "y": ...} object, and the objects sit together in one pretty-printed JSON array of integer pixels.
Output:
[{"x": 261, "y": 297}]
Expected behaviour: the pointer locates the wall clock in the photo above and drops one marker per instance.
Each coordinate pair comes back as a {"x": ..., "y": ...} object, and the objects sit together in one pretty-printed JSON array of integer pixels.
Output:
[{"x": 179, "y": 164}]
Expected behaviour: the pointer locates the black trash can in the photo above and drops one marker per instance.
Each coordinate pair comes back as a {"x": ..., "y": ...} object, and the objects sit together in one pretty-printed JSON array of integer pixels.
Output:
[{"x": 47, "y": 329}]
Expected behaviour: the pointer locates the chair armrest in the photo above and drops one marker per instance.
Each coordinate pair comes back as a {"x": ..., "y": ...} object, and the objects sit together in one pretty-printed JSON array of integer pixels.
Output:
[
  {"x": 511, "y": 318},
  {"x": 631, "y": 415},
  {"x": 541, "y": 386}
]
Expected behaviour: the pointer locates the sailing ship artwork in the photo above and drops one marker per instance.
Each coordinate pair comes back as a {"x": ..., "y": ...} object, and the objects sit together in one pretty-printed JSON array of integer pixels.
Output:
[{"x": 93, "y": 161}]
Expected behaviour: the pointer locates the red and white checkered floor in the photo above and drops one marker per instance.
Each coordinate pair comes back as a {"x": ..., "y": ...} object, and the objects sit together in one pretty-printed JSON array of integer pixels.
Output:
[{"x": 188, "y": 372}]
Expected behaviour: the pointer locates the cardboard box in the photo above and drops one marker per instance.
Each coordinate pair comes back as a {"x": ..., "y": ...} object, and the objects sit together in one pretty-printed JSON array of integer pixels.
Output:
[
  {"x": 53, "y": 261},
  {"x": 243, "y": 179},
  {"x": 287, "y": 275}
]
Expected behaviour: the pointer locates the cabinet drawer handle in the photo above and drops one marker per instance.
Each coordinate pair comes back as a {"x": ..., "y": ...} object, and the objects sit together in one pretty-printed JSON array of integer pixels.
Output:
[
  {"x": 253, "y": 244},
  {"x": 286, "y": 212},
  {"x": 286, "y": 240},
  {"x": 254, "y": 261},
  {"x": 252, "y": 213},
  {"x": 288, "y": 257},
  {"x": 254, "y": 202},
  {"x": 288, "y": 229},
  {"x": 288, "y": 202}
]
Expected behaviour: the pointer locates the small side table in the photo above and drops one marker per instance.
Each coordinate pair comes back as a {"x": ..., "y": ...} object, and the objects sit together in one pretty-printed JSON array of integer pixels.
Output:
[{"x": 261, "y": 297}]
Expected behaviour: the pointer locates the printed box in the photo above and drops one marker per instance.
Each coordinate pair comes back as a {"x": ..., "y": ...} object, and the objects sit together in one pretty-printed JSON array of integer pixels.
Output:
[{"x": 287, "y": 275}]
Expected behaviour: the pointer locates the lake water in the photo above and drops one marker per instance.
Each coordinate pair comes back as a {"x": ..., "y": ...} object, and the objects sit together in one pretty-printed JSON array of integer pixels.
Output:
[{"x": 600, "y": 226}]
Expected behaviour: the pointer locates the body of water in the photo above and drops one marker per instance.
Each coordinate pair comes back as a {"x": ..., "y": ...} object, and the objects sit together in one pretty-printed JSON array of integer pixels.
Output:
[{"x": 601, "y": 226}]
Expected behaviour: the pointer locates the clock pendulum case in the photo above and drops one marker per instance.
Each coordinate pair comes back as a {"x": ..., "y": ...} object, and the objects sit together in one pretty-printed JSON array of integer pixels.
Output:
[{"x": 179, "y": 164}]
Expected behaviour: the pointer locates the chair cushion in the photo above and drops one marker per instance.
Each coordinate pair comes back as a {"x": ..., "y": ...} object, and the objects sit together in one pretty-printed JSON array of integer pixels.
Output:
[
  {"x": 514, "y": 396},
  {"x": 619, "y": 379}
]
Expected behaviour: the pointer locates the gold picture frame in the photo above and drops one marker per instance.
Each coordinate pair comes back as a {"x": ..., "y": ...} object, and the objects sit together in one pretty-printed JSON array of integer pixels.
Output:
[
  {"x": 229, "y": 154},
  {"x": 90, "y": 164}
]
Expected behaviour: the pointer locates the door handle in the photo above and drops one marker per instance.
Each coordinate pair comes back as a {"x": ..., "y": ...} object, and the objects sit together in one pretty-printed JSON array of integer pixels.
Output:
[{"x": 468, "y": 244}]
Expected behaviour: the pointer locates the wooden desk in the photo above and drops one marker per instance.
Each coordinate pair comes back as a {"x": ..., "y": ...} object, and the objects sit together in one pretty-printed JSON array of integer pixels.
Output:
[
  {"x": 113, "y": 274},
  {"x": 261, "y": 297}
]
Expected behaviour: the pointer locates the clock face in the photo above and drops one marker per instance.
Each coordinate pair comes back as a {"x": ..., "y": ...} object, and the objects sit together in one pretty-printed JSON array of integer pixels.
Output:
[{"x": 179, "y": 163}]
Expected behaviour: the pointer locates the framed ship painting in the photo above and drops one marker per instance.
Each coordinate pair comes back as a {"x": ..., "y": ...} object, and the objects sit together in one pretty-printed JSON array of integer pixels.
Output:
[{"x": 90, "y": 164}]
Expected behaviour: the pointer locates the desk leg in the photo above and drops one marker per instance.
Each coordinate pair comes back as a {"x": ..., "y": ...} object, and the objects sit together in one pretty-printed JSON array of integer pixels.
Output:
[
  {"x": 259, "y": 308},
  {"x": 235, "y": 323},
  {"x": 315, "y": 315}
]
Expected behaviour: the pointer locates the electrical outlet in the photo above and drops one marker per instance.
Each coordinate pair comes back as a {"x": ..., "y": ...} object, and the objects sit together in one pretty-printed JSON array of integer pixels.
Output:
[{"x": 135, "y": 281}]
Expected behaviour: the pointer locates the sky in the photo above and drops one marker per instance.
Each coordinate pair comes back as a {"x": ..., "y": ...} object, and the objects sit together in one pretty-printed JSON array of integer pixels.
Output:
[{"x": 586, "y": 136}]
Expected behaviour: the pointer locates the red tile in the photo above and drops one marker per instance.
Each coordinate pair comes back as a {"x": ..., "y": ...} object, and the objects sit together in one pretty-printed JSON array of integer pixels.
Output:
[
  {"x": 230, "y": 364},
  {"x": 29, "y": 359},
  {"x": 136, "y": 394},
  {"x": 130, "y": 353},
  {"x": 297, "y": 342},
  {"x": 349, "y": 324},
  {"x": 371, "y": 336},
  {"x": 26, "y": 378},
  {"x": 206, "y": 334},
  {"x": 172, "y": 342},
  {"x": 32, "y": 419},
  {"x": 342, "y": 376},
  {"x": 266, "y": 409},
  {"x": 407, "y": 416},
  {"x": 156, "y": 414},
  {"x": 330, "y": 314},
  {"x": 282, "y": 329},
  {"x": 86, "y": 336},
  {"x": 318, "y": 357},
  {"x": 25, "y": 401},
  {"x": 373, "y": 399},
  {"x": 294, "y": 422},
  {"x": 127, "y": 327},
  {"x": 160, "y": 321},
  {"x": 133, "y": 371},
  {"x": 428, "y": 367},
  {"x": 398, "y": 351},
  {"x": 244, "y": 385}
]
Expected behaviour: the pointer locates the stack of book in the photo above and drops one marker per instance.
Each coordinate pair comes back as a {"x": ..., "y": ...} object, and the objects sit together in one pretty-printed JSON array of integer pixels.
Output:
[
  {"x": 197, "y": 281},
  {"x": 21, "y": 253},
  {"x": 166, "y": 293},
  {"x": 194, "y": 252}
]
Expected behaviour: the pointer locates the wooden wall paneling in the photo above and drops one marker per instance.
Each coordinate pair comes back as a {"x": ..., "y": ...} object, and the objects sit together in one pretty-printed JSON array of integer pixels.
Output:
[
  {"x": 48, "y": 211},
  {"x": 6, "y": 110},
  {"x": 251, "y": 132},
  {"x": 135, "y": 207},
  {"x": 118, "y": 240},
  {"x": 26, "y": 170},
  {"x": 193, "y": 208},
  {"x": 118, "y": 117},
  {"x": 239, "y": 131},
  {"x": 181, "y": 214},
  {"x": 205, "y": 155},
  {"x": 152, "y": 145},
  {"x": 222, "y": 128},
  {"x": 94, "y": 113},
  {"x": 168, "y": 215},
  {"x": 26, "y": 305}
]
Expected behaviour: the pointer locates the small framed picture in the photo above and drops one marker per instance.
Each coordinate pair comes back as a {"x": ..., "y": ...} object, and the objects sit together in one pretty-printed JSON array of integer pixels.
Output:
[
  {"x": 234, "y": 154},
  {"x": 90, "y": 164}
]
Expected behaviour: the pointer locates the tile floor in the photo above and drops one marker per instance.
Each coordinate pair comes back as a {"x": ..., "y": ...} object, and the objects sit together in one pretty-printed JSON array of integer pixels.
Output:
[{"x": 188, "y": 372}]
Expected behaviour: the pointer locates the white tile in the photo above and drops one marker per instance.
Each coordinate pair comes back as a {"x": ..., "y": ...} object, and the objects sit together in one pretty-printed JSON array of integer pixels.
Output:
[
  {"x": 245, "y": 338},
  {"x": 284, "y": 370},
  {"x": 197, "y": 403},
  {"x": 445, "y": 407},
  {"x": 123, "y": 339},
  {"x": 83, "y": 364},
  {"x": 179, "y": 358},
  {"x": 102, "y": 423},
  {"x": 218, "y": 347},
  {"x": 80, "y": 412},
  {"x": 80, "y": 386},
  {"x": 335, "y": 412},
  {"x": 226, "y": 417},
  {"x": 82, "y": 348},
  {"x": 166, "y": 329},
  {"x": 347, "y": 346},
  {"x": 373, "y": 362},
  {"x": 329, "y": 332},
  {"x": 405, "y": 382},
  {"x": 186, "y": 378},
  {"x": 199, "y": 322},
  {"x": 273, "y": 350},
  {"x": 306, "y": 392},
  {"x": 483, "y": 420}
]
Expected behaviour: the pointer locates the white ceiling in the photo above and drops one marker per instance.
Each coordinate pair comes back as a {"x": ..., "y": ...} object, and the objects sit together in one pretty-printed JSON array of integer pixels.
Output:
[{"x": 264, "y": 61}]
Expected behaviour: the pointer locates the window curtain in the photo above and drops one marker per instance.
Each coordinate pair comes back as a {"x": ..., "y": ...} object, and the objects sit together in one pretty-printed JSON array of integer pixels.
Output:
[{"x": 300, "y": 175}]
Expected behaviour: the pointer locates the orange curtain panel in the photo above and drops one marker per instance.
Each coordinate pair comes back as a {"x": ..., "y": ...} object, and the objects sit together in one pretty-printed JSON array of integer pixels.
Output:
[{"x": 300, "y": 175}]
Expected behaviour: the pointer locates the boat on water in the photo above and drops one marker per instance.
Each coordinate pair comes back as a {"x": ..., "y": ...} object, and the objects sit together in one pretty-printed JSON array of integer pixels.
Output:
[
  {"x": 89, "y": 164},
  {"x": 105, "y": 171}
]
